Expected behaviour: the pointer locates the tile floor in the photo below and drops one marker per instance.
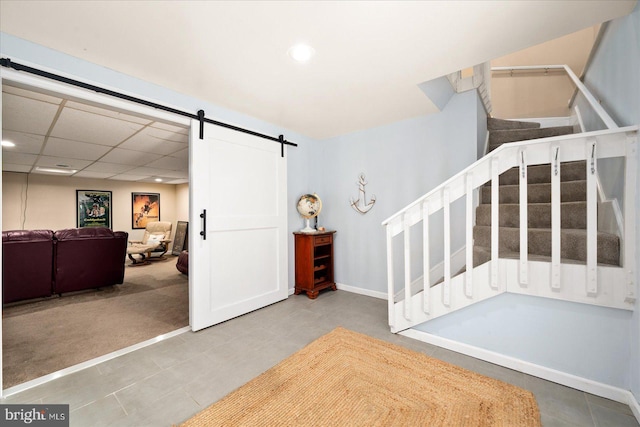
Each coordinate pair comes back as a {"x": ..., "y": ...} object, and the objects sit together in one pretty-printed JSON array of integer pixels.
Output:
[{"x": 170, "y": 381}]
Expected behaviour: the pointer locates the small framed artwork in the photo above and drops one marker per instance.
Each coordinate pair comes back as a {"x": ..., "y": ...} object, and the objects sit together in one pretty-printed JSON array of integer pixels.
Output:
[
  {"x": 145, "y": 208},
  {"x": 181, "y": 239},
  {"x": 93, "y": 208}
]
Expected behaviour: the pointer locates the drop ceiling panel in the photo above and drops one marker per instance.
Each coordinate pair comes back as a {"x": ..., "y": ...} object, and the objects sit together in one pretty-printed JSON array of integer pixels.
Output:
[
  {"x": 89, "y": 174},
  {"x": 53, "y": 162},
  {"x": 129, "y": 157},
  {"x": 171, "y": 128},
  {"x": 147, "y": 142},
  {"x": 113, "y": 168},
  {"x": 74, "y": 150},
  {"x": 25, "y": 142},
  {"x": 146, "y": 171},
  {"x": 26, "y": 115},
  {"x": 32, "y": 95},
  {"x": 182, "y": 154},
  {"x": 175, "y": 135},
  {"x": 7, "y": 167},
  {"x": 93, "y": 128},
  {"x": 127, "y": 177},
  {"x": 174, "y": 174},
  {"x": 107, "y": 113},
  {"x": 171, "y": 163},
  {"x": 18, "y": 158}
]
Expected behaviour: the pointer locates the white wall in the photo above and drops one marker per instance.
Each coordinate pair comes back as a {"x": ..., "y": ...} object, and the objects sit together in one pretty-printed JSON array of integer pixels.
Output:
[
  {"x": 49, "y": 202},
  {"x": 614, "y": 79},
  {"x": 182, "y": 202},
  {"x": 540, "y": 94}
]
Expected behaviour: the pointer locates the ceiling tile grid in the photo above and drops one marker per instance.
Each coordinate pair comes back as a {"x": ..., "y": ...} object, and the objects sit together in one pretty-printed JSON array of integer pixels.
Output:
[{"x": 99, "y": 143}]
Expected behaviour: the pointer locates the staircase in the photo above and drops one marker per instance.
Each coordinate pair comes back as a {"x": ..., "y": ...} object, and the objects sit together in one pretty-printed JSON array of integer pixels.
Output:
[
  {"x": 537, "y": 188},
  {"x": 573, "y": 205}
]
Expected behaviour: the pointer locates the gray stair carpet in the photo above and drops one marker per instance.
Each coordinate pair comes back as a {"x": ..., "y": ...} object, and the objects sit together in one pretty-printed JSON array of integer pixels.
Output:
[
  {"x": 502, "y": 124},
  {"x": 499, "y": 137},
  {"x": 573, "y": 208}
]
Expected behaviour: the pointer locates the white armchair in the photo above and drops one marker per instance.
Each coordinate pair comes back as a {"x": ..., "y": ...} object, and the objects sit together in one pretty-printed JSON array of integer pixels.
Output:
[{"x": 156, "y": 239}]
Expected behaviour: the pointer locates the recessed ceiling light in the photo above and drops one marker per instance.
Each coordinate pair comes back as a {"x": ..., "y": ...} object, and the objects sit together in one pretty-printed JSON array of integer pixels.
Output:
[
  {"x": 301, "y": 52},
  {"x": 158, "y": 179},
  {"x": 8, "y": 143}
]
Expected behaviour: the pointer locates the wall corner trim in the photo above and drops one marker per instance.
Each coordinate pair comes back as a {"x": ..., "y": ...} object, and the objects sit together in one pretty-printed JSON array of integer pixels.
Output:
[{"x": 362, "y": 291}]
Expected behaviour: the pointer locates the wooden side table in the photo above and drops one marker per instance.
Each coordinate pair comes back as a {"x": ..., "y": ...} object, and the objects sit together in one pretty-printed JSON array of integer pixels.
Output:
[{"x": 314, "y": 262}]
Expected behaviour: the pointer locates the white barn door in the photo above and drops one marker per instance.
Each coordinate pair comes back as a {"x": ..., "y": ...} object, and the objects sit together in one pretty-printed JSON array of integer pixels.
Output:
[{"x": 238, "y": 187}]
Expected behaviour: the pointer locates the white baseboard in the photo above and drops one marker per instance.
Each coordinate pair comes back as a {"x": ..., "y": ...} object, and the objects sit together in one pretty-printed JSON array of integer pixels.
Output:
[
  {"x": 362, "y": 291},
  {"x": 569, "y": 380}
]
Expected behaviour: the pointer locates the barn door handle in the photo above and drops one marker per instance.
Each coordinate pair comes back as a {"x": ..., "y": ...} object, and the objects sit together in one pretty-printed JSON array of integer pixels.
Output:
[{"x": 203, "y": 233}]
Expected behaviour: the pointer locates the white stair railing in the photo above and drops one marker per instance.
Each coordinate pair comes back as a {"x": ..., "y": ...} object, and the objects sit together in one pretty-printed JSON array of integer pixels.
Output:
[{"x": 605, "y": 285}]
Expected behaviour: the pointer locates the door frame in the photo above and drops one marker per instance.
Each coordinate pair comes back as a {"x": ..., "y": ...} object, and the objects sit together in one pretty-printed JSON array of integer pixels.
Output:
[{"x": 28, "y": 81}]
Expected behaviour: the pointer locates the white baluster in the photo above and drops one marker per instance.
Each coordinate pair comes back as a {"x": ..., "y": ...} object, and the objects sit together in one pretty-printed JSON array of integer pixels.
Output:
[
  {"x": 592, "y": 219},
  {"x": 495, "y": 224},
  {"x": 524, "y": 245},
  {"x": 446, "y": 290},
  {"x": 426, "y": 293},
  {"x": 629, "y": 237},
  {"x": 390, "y": 280},
  {"x": 555, "y": 217},
  {"x": 468, "y": 280},
  {"x": 407, "y": 267}
]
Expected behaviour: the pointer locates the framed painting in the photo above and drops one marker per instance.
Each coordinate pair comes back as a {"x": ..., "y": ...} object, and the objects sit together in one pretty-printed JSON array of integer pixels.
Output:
[
  {"x": 93, "y": 208},
  {"x": 145, "y": 208},
  {"x": 181, "y": 239}
]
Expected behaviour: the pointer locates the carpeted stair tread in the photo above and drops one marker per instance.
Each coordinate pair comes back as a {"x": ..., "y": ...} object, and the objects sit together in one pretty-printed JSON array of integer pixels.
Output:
[
  {"x": 499, "y": 137},
  {"x": 569, "y": 171},
  {"x": 573, "y": 211},
  {"x": 571, "y": 191},
  {"x": 572, "y": 215},
  {"x": 573, "y": 243},
  {"x": 502, "y": 124}
]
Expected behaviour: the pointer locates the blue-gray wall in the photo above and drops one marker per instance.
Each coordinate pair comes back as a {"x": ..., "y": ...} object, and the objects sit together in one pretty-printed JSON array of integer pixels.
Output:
[
  {"x": 614, "y": 78},
  {"x": 401, "y": 162}
]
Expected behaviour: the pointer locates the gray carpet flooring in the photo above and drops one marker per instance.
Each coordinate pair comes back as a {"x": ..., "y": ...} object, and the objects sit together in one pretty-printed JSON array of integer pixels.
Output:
[
  {"x": 573, "y": 195},
  {"x": 48, "y": 335}
]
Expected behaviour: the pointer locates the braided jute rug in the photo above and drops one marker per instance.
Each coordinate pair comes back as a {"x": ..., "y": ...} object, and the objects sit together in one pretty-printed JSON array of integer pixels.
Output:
[{"x": 345, "y": 378}]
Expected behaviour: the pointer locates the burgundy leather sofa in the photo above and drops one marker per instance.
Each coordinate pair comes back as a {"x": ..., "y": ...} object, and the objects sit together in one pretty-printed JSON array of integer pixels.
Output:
[
  {"x": 27, "y": 259},
  {"x": 183, "y": 262},
  {"x": 40, "y": 263},
  {"x": 86, "y": 258}
]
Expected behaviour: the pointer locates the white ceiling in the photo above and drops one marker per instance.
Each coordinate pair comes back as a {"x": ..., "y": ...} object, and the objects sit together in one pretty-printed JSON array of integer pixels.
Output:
[
  {"x": 58, "y": 133},
  {"x": 370, "y": 56}
]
